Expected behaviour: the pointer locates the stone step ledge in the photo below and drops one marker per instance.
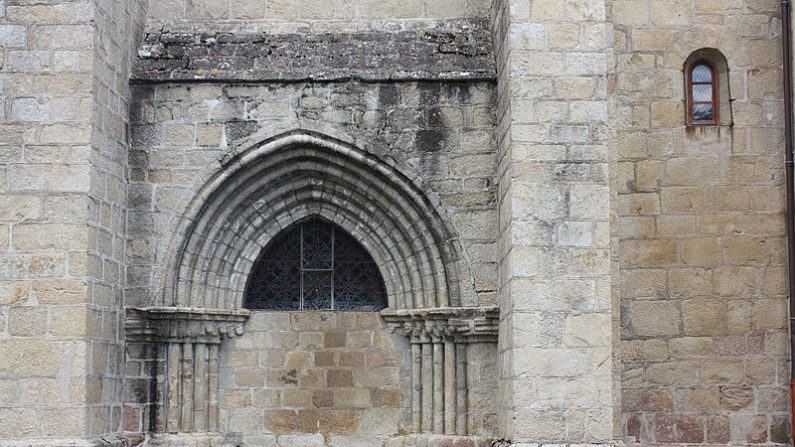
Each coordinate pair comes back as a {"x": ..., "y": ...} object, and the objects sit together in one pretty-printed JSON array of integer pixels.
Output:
[{"x": 435, "y": 440}]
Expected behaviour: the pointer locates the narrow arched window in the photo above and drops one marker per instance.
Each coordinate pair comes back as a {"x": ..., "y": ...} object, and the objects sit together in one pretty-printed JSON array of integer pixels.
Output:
[
  {"x": 702, "y": 94},
  {"x": 315, "y": 264}
]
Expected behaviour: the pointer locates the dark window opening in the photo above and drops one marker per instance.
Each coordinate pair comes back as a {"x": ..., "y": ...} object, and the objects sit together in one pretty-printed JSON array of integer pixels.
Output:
[{"x": 314, "y": 264}]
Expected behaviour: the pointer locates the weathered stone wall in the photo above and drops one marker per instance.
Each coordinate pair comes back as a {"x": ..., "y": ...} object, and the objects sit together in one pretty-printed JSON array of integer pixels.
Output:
[
  {"x": 119, "y": 27},
  {"x": 62, "y": 195},
  {"x": 43, "y": 384},
  {"x": 303, "y": 376},
  {"x": 330, "y": 378},
  {"x": 417, "y": 51},
  {"x": 522, "y": 169},
  {"x": 554, "y": 258},
  {"x": 443, "y": 131},
  {"x": 702, "y": 250}
]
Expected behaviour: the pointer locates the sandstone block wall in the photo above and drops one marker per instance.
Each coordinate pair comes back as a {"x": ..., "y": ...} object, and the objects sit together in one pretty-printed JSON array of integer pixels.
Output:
[
  {"x": 639, "y": 264},
  {"x": 62, "y": 192},
  {"x": 297, "y": 378},
  {"x": 332, "y": 374},
  {"x": 556, "y": 379},
  {"x": 119, "y": 27},
  {"x": 702, "y": 248}
]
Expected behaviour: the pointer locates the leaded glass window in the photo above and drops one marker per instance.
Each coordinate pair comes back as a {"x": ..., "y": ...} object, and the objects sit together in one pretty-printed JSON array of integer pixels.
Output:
[
  {"x": 702, "y": 94},
  {"x": 314, "y": 264}
]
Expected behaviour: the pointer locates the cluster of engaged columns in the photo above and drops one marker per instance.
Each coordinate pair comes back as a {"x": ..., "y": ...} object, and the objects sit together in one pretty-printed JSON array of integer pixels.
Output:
[
  {"x": 439, "y": 342},
  {"x": 190, "y": 339},
  {"x": 192, "y": 387},
  {"x": 438, "y": 376}
]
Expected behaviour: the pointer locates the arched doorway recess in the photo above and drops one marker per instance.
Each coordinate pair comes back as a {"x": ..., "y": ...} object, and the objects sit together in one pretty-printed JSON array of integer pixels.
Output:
[{"x": 241, "y": 206}]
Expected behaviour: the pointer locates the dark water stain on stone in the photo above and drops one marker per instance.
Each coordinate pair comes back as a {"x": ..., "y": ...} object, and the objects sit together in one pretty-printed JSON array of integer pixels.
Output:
[
  {"x": 237, "y": 130},
  {"x": 430, "y": 140},
  {"x": 388, "y": 96},
  {"x": 291, "y": 378}
]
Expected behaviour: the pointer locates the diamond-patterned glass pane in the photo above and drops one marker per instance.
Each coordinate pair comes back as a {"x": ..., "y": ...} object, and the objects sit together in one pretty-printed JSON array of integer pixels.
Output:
[
  {"x": 702, "y": 92},
  {"x": 317, "y": 242},
  {"x": 315, "y": 265},
  {"x": 317, "y": 290},
  {"x": 351, "y": 288},
  {"x": 702, "y": 73},
  {"x": 703, "y": 112}
]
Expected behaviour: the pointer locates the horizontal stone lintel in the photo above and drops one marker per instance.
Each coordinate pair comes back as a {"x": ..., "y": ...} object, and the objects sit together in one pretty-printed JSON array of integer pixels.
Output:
[{"x": 458, "y": 50}]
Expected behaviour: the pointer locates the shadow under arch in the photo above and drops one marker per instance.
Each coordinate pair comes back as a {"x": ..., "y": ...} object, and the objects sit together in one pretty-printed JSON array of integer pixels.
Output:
[{"x": 265, "y": 187}]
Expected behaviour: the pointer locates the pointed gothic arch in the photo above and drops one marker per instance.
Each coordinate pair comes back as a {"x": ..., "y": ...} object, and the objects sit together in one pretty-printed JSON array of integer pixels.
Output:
[{"x": 266, "y": 187}]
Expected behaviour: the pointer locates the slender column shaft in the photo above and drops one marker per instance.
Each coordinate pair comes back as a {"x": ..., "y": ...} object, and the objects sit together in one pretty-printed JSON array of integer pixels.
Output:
[
  {"x": 461, "y": 389},
  {"x": 187, "y": 387},
  {"x": 173, "y": 387},
  {"x": 416, "y": 387},
  {"x": 212, "y": 389},
  {"x": 449, "y": 387},
  {"x": 427, "y": 387},
  {"x": 438, "y": 387},
  {"x": 200, "y": 389}
]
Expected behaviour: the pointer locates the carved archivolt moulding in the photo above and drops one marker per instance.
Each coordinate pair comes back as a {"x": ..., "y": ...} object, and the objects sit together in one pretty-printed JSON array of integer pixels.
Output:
[{"x": 237, "y": 209}]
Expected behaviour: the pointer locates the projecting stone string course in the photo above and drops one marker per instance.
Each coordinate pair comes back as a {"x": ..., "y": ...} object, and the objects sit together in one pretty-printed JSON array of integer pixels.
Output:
[{"x": 445, "y": 50}]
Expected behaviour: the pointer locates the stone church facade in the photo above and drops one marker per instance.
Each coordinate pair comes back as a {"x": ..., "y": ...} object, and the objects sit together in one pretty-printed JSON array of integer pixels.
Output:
[{"x": 572, "y": 242}]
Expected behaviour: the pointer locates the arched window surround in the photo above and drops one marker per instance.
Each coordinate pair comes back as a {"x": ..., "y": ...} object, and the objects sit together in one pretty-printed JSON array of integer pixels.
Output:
[{"x": 720, "y": 101}]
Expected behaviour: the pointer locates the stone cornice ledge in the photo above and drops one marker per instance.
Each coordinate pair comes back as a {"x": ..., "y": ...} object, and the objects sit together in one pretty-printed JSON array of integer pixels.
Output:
[
  {"x": 445, "y": 50},
  {"x": 184, "y": 324},
  {"x": 460, "y": 324}
]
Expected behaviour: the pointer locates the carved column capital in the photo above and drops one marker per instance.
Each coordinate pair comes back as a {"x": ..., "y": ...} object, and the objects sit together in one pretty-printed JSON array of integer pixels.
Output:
[
  {"x": 184, "y": 324},
  {"x": 459, "y": 324}
]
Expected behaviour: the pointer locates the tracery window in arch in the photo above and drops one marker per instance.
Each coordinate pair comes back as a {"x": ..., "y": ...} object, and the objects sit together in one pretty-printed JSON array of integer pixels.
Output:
[
  {"x": 314, "y": 264},
  {"x": 703, "y": 94}
]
